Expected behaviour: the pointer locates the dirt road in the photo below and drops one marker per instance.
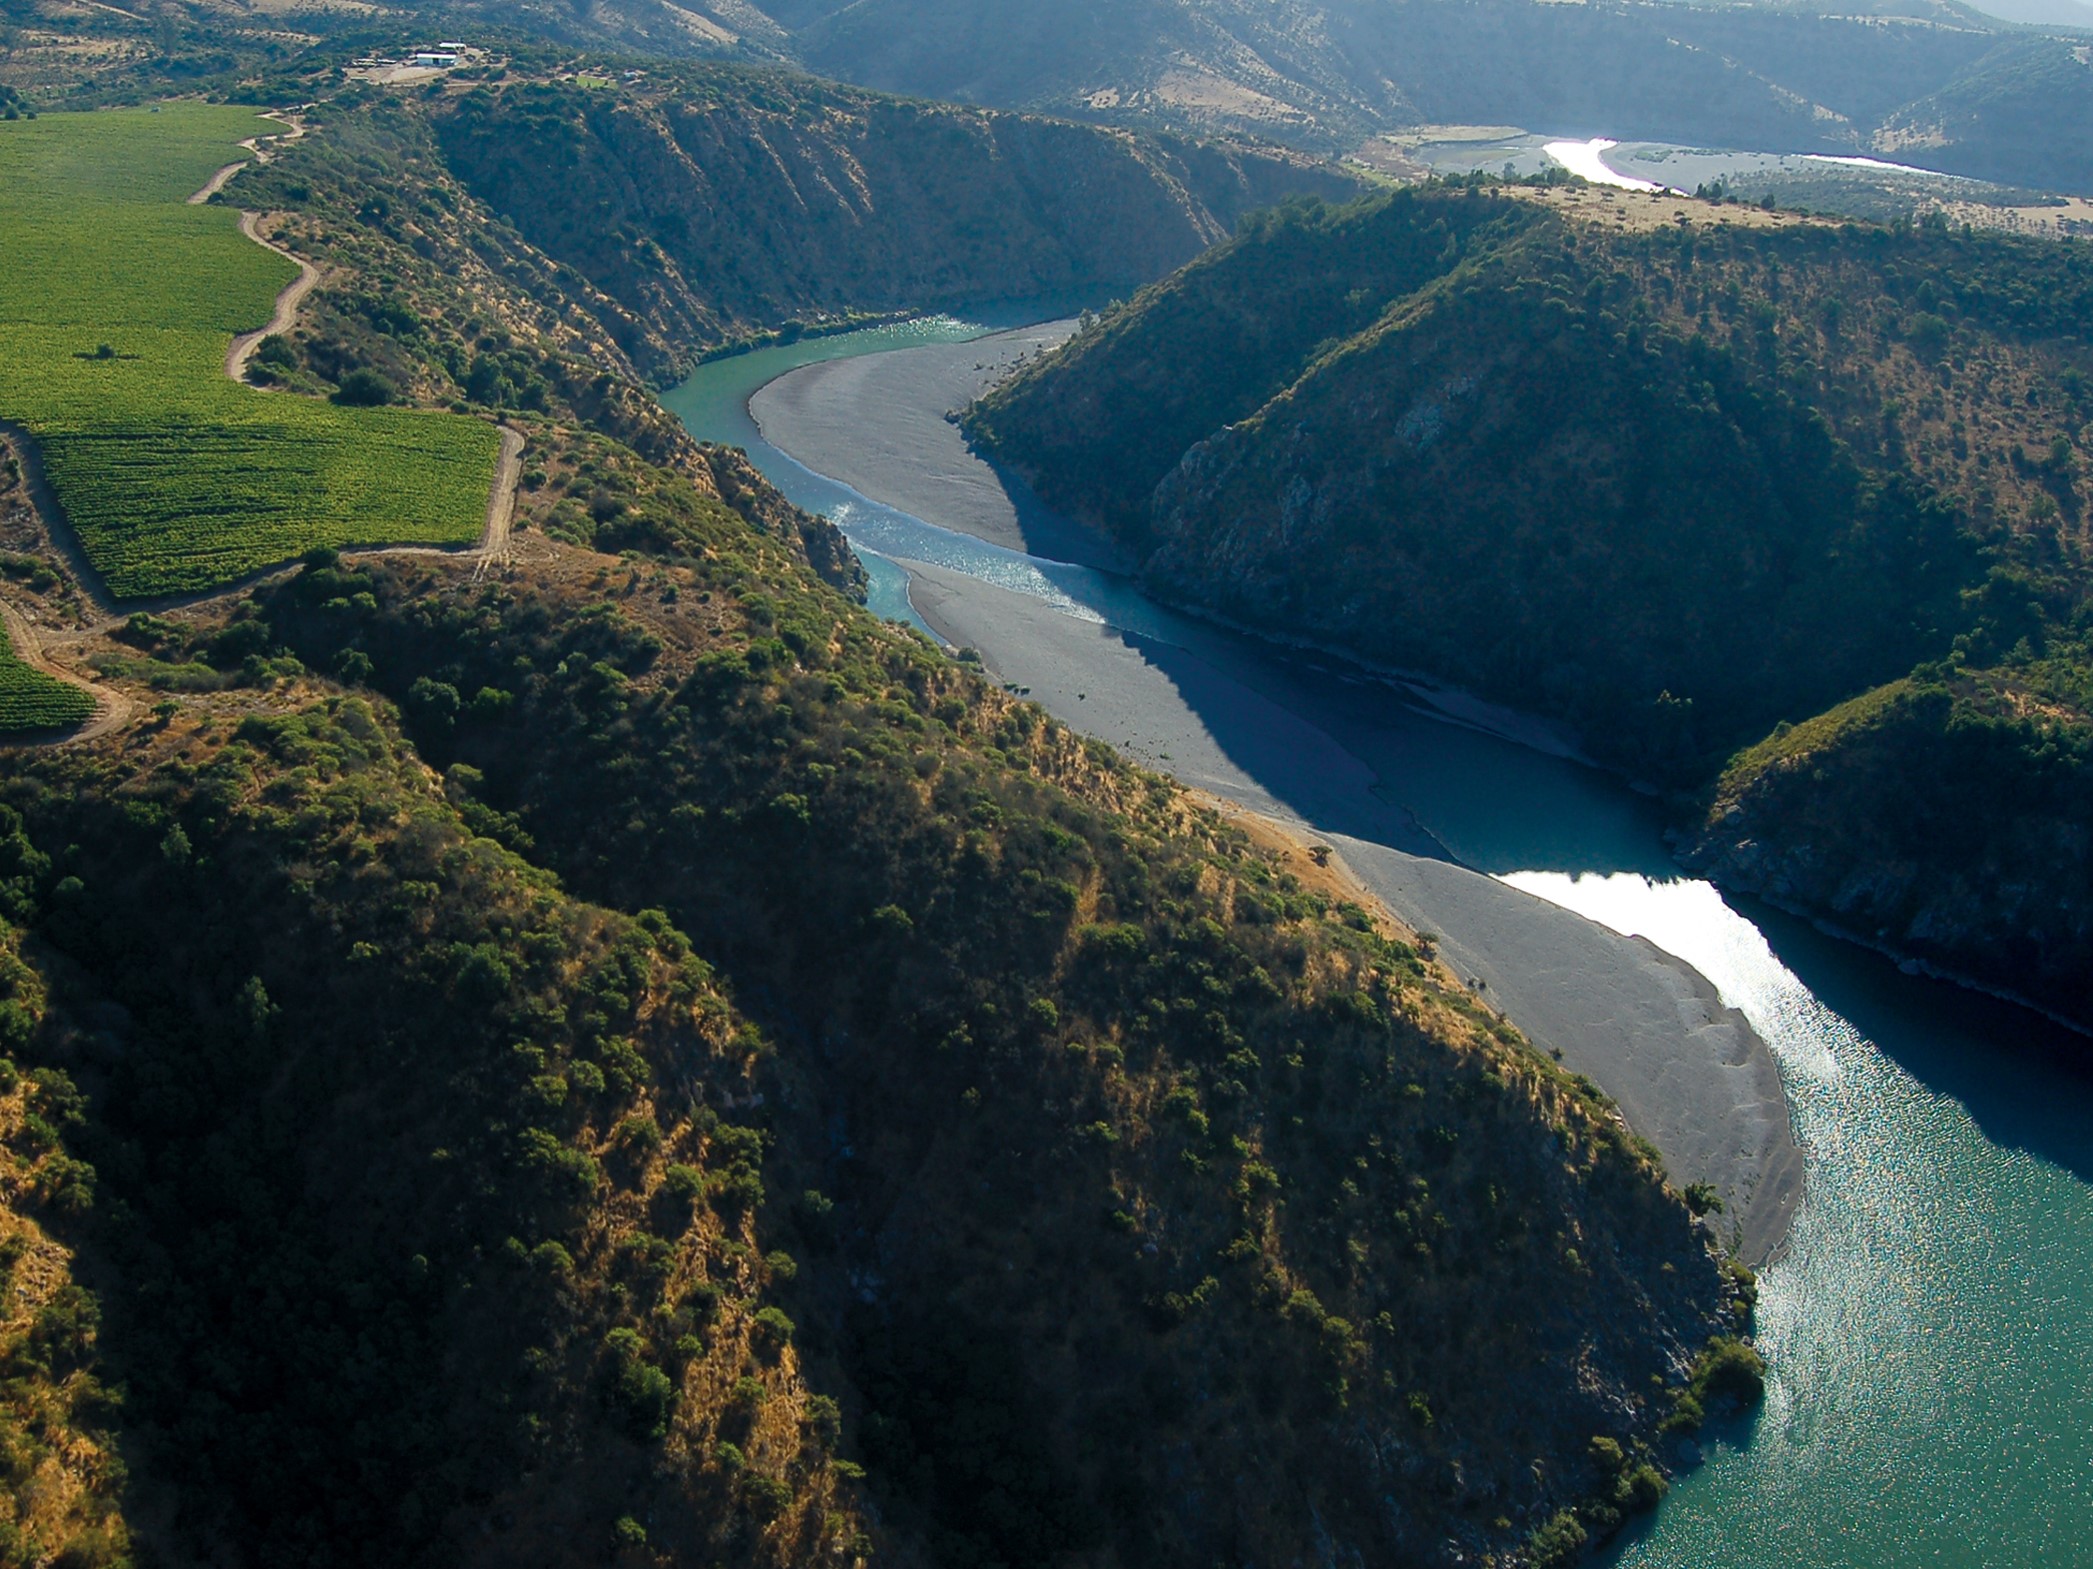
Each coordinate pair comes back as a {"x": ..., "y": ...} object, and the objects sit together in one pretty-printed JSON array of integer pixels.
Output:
[
  {"x": 112, "y": 709},
  {"x": 287, "y": 303}
]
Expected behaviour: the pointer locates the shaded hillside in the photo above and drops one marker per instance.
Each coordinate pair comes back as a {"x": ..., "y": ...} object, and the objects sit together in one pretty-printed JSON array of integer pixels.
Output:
[
  {"x": 1676, "y": 482},
  {"x": 1943, "y": 816},
  {"x": 2009, "y": 117},
  {"x": 1024, "y": 1123},
  {"x": 63, "y": 1490},
  {"x": 1073, "y": 1071},
  {"x": 722, "y": 202},
  {"x": 387, "y": 1136}
]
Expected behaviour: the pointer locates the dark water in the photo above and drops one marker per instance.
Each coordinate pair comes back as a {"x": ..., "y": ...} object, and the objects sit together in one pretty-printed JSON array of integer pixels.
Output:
[{"x": 1930, "y": 1326}]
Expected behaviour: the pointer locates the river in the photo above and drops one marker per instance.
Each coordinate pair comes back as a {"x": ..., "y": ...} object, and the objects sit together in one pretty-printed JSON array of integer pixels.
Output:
[{"x": 1930, "y": 1321}]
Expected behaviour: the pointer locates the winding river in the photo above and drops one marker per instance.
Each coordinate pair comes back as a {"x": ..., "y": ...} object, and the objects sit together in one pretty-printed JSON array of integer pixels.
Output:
[{"x": 1930, "y": 1320}]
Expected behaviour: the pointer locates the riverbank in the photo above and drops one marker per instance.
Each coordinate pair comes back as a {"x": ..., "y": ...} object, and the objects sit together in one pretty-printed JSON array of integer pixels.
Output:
[
  {"x": 1643, "y": 1024},
  {"x": 912, "y": 456},
  {"x": 1927, "y": 1319},
  {"x": 1689, "y": 1074}
]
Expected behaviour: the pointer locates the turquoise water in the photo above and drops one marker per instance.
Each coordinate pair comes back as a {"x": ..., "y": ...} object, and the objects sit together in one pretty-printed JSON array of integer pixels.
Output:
[
  {"x": 1930, "y": 1325},
  {"x": 714, "y": 406}
]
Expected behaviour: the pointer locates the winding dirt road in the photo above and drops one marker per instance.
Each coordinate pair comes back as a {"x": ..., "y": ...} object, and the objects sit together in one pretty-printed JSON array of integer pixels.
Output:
[
  {"x": 217, "y": 183},
  {"x": 113, "y": 708},
  {"x": 293, "y": 129},
  {"x": 285, "y": 315}
]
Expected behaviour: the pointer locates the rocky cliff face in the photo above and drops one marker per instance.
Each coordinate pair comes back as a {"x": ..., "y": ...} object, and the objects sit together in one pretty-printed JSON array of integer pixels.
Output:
[{"x": 725, "y": 202}]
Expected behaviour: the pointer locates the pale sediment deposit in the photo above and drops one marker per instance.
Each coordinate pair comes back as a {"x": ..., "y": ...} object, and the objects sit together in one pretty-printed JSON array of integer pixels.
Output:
[{"x": 1688, "y": 1073}]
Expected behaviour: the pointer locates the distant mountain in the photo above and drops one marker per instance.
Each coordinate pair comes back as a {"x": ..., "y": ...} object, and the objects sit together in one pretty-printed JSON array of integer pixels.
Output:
[
  {"x": 1695, "y": 478},
  {"x": 1329, "y": 73}
]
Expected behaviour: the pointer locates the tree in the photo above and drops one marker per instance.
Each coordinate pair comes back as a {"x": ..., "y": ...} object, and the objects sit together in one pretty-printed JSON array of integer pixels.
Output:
[{"x": 365, "y": 388}]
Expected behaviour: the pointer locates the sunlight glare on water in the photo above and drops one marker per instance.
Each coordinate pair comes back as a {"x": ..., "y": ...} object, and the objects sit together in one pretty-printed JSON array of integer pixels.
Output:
[
  {"x": 1931, "y": 1323},
  {"x": 1930, "y": 1327}
]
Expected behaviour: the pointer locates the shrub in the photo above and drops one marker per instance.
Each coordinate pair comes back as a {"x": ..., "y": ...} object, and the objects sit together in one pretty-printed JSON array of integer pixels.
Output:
[
  {"x": 640, "y": 1393},
  {"x": 1641, "y": 1489},
  {"x": 825, "y": 1417},
  {"x": 1559, "y": 1543},
  {"x": 638, "y": 1133},
  {"x": 1730, "y": 1370},
  {"x": 747, "y": 1394},
  {"x": 365, "y": 389},
  {"x": 773, "y": 1327},
  {"x": 644, "y": 1397}
]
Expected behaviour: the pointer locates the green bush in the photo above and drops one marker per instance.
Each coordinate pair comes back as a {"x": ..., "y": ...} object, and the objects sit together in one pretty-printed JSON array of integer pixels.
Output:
[
  {"x": 1559, "y": 1543},
  {"x": 365, "y": 389}
]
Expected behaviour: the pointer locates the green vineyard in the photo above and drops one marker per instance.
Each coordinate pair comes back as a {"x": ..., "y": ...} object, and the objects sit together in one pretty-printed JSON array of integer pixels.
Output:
[
  {"x": 31, "y": 700},
  {"x": 118, "y": 301}
]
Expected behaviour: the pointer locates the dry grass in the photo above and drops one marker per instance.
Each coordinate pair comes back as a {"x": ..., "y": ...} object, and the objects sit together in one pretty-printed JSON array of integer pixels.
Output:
[{"x": 1633, "y": 212}]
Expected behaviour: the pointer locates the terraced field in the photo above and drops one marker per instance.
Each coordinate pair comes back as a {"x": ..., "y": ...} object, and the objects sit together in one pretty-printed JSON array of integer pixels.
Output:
[
  {"x": 117, "y": 303},
  {"x": 31, "y": 700}
]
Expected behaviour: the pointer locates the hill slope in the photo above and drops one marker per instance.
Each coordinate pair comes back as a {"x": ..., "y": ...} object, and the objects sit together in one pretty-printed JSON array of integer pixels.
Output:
[
  {"x": 1676, "y": 481},
  {"x": 1942, "y": 816},
  {"x": 614, "y": 1055},
  {"x": 721, "y": 201}
]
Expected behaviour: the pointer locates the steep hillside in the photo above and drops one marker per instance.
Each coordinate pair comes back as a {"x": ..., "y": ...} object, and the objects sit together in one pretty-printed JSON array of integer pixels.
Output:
[
  {"x": 1070, "y": 1067},
  {"x": 388, "y": 1138},
  {"x": 1943, "y": 816},
  {"x": 607, "y": 1053},
  {"x": 720, "y": 202},
  {"x": 2004, "y": 118},
  {"x": 1447, "y": 427},
  {"x": 450, "y": 1217},
  {"x": 62, "y": 1496},
  {"x": 1677, "y": 481}
]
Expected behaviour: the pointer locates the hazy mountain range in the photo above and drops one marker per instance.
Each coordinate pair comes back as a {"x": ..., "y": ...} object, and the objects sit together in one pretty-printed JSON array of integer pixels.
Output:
[{"x": 1923, "y": 81}]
